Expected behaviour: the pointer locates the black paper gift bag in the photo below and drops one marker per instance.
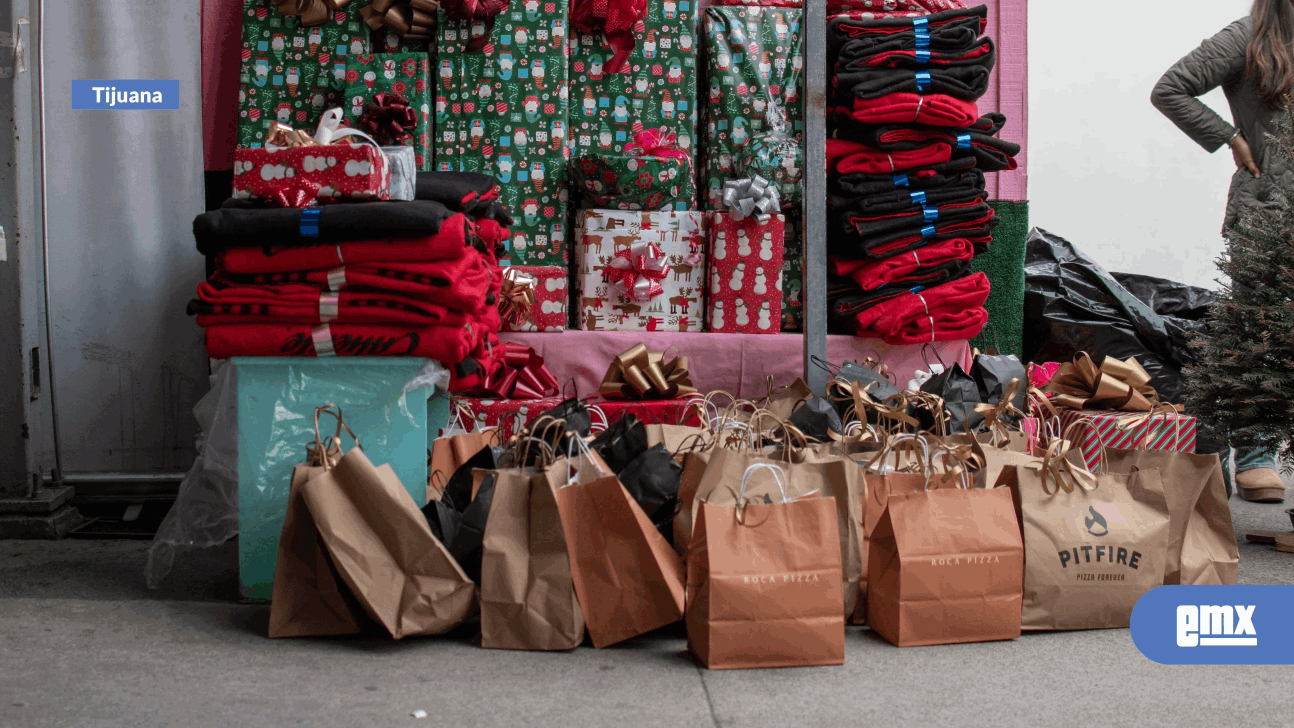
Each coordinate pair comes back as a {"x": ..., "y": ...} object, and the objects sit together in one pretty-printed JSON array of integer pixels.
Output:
[
  {"x": 467, "y": 542},
  {"x": 960, "y": 395},
  {"x": 816, "y": 418},
  {"x": 992, "y": 375},
  {"x": 653, "y": 479},
  {"x": 621, "y": 443}
]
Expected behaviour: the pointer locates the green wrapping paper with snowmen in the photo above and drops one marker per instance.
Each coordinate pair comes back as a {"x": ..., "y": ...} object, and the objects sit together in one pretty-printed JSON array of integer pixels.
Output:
[
  {"x": 293, "y": 73},
  {"x": 656, "y": 90},
  {"x": 755, "y": 70},
  {"x": 405, "y": 74},
  {"x": 502, "y": 110}
]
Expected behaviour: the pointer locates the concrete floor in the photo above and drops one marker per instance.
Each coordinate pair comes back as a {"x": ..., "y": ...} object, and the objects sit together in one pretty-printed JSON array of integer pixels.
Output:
[{"x": 84, "y": 643}]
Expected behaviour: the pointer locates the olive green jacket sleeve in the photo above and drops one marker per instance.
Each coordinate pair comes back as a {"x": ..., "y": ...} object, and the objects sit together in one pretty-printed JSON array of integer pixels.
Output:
[{"x": 1218, "y": 60}]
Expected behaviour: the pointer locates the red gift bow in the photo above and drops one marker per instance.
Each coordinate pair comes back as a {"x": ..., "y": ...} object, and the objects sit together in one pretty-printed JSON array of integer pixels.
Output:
[
  {"x": 637, "y": 272},
  {"x": 389, "y": 118},
  {"x": 657, "y": 143},
  {"x": 522, "y": 376},
  {"x": 615, "y": 19},
  {"x": 483, "y": 11}
]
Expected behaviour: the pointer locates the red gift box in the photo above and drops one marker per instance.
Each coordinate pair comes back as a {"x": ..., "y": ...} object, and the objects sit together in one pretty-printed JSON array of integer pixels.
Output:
[
  {"x": 548, "y": 313},
  {"x": 509, "y": 415},
  {"x": 745, "y": 295},
  {"x": 1128, "y": 431},
  {"x": 300, "y": 176},
  {"x": 607, "y": 412}
]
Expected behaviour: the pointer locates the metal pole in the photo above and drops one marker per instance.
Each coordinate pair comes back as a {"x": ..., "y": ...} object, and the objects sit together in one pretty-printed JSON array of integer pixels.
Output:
[
  {"x": 815, "y": 193},
  {"x": 44, "y": 242}
]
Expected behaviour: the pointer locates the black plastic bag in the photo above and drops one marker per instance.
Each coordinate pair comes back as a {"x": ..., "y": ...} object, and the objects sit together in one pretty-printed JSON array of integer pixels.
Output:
[
  {"x": 621, "y": 443},
  {"x": 457, "y": 493},
  {"x": 652, "y": 479},
  {"x": 993, "y": 373},
  {"x": 960, "y": 395},
  {"x": 816, "y": 417},
  {"x": 1170, "y": 299},
  {"x": 1072, "y": 304},
  {"x": 466, "y": 547}
]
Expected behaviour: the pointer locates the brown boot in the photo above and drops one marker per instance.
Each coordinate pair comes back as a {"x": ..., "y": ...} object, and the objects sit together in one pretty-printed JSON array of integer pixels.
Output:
[{"x": 1260, "y": 485}]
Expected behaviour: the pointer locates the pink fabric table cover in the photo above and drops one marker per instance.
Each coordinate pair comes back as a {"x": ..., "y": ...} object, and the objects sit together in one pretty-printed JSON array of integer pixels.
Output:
[{"x": 736, "y": 363}]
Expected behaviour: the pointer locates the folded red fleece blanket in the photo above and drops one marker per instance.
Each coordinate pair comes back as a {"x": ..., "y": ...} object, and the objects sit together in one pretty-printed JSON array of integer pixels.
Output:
[
  {"x": 873, "y": 274},
  {"x": 462, "y": 284},
  {"x": 948, "y": 31},
  {"x": 847, "y": 157},
  {"x": 979, "y": 232},
  {"x": 906, "y": 108},
  {"x": 446, "y": 344},
  {"x": 845, "y": 300},
  {"x": 897, "y": 200},
  {"x": 967, "y": 82},
  {"x": 450, "y": 243},
  {"x": 950, "y": 312},
  {"x": 298, "y": 303},
  {"x": 980, "y": 140}
]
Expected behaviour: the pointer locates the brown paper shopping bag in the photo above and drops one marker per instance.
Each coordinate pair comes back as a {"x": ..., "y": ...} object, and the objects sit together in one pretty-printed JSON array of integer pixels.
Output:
[
  {"x": 1093, "y": 543},
  {"x": 764, "y": 581},
  {"x": 448, "y": 454},
  {"x": 1202, "y": 545},
  {"x": 628, "y": 579},
  {"x": 383, "y": 548},
  {"x": 310, "y": 599},
  {"x": 946, "y": 567},
  {"x": 528, "y": 597}
]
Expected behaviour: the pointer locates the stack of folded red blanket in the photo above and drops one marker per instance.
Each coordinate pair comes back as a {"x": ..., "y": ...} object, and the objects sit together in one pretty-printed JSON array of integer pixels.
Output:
[
  {"x": 905, "y": 165},
  {"x": 417, "y": 278}
]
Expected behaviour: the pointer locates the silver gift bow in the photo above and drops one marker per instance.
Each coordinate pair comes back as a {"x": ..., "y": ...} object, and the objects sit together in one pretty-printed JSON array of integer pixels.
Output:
[{"x": 755, "y": 197}]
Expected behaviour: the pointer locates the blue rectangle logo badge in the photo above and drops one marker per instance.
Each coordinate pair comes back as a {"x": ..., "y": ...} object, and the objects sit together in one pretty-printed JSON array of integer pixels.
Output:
[
  {"x": 126, "y": 94},
  {"x": 1216, "y": 625}
]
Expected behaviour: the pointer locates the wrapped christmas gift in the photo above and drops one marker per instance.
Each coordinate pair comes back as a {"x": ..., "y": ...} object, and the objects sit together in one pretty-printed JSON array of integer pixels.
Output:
[
  {"x": 640, "y": 271},
  {"x": 388, "y": 95},
  {"x": 533, "y": 298},
  {"x": 292, "y": 73},
  {"x": 501, "y": 109},
  {"x": 656, "y": 176},
  {"x": 746, "y": 252},
  {"x": 755, "y": 74},
  {"x": 294, "y": 169},
  {"x": 509, "y": 415},
  {"x": 655, "y": 89},
  {"x": 682, "y": 412},
  {"x": 1171, "y": 431}
]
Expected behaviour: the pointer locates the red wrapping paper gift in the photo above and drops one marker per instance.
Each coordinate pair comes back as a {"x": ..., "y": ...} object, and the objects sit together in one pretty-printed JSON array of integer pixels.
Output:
[
  {"x": 302, "y": 176},
  {"x": 509, "y": 415},
  {"x": 547, "y": 312},
  {"x": 745, "y": 295},
  {"x": 607, "y": 412},
  {"x": 1129, "y": 431}
]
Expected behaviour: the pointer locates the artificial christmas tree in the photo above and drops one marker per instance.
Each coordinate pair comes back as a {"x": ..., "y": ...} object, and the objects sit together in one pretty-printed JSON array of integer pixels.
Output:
[{"x": 1242, "y": 387}]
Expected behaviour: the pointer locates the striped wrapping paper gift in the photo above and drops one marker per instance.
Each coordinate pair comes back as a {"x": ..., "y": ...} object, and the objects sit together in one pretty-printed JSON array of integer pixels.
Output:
[{"x": 1127, "y": 431}]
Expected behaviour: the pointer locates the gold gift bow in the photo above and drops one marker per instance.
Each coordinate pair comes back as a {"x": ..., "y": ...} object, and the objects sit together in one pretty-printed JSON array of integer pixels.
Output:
[
  {"x": 642, "y": 374},
  {"x": 1115, "y": 385},
  {"x": 994, "y": 414},
  {"x": 517, "y": 296},
  {"x": 1056, "y": 464}
]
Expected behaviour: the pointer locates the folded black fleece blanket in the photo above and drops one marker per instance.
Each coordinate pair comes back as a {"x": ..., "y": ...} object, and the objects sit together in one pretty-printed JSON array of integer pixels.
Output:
[
  {"x": 467, "y": 192},
  {"x": 845, "y": 298},
  {"x": 952, "y": 31},
  {"x": 844, "y": 238},
  {"x": 967, "y": 82},
  {"x": 965, "y": 187},
  {"x": 924, "y": 178},
  {"x": 881, "y": 229},
  {"x": 896, "y": 58},
  {"x": 980, "y": 140},
  {"x": 239, "y": 223}
]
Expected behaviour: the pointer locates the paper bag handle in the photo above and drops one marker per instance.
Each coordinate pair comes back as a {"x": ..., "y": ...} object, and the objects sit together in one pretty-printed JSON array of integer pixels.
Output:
[{"x": 321, "y": 444}]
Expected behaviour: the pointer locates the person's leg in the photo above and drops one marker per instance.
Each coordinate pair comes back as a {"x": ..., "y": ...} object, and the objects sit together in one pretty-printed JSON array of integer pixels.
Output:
[
  {"x": 1256, "y": 476},
  {"x": 1225, "y": 457}
]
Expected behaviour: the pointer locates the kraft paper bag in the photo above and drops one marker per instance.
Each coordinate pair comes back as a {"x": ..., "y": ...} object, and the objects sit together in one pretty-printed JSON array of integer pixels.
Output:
[
  {"x": 1202, "y": 545},
  {"x": 627, "y": 578},
  {"x": 764, "y": 586},
  {"x": 694, "y": 465},
  {"x": 384, "y": 549},
  {"x": 448, "y": 454},
  {"x": 673, "y": 437},
  {"x": 528, "y": 597},
  {"x": 1089, "y": 554},
  {"x": 310, "y": 599},
  {"x": 946, "y": 567}
]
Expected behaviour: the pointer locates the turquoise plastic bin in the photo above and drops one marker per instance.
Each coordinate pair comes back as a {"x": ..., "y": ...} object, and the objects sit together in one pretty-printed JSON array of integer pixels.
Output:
[{"x": 277, "y": 397}]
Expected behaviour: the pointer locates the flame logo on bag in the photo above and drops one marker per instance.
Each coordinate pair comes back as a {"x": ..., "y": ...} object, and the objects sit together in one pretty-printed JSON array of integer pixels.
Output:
[{"x": 1095, "y": 523}]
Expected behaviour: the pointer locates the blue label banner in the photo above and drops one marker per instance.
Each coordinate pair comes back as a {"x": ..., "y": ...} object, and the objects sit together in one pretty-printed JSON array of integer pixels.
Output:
[
  {"x": 126, "y": 94},
  {"x": 1216, "y": 625}
]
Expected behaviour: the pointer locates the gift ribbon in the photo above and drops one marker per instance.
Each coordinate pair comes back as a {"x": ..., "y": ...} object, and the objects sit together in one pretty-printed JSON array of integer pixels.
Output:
[
  {"x": 637, "y": 272},
  {"x": 389, "y": 118},
  {"x": 642, "y": 374},
  {"x": 524, "y": 375},
  {"x": 329, "y": 131},
  {"x": 475, "y": 11},
  {"x": 751, "y": 197},
  {"x": 517, "y": 296},
  {"x": 994, "y": 415},
  {"x": 657, "y": 143},
  {"x": 407, "y": 18},
  {"x": 1115, "y": 385},
  {"x": 615, "y": 20}
]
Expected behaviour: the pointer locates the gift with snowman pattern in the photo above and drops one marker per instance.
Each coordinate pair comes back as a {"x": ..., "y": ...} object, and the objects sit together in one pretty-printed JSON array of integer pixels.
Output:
[
  {"x": 547, "y": 286},
  {"x": 745, "y": 283}
]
